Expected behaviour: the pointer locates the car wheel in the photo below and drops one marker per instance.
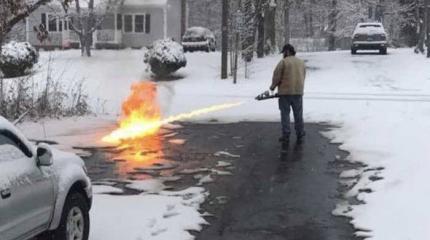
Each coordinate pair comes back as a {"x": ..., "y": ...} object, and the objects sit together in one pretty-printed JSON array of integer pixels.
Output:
[
  {"x": 383, "y": 51},
  {"x": 75, "y": 220},
  {"x": 353, "y": 51}
]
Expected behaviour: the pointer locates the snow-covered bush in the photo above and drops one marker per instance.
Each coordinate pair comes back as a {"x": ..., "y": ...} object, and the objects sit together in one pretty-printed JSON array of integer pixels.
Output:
[
  {"x": 165, "y": 57},
  {"x": 17, "y": 58}
]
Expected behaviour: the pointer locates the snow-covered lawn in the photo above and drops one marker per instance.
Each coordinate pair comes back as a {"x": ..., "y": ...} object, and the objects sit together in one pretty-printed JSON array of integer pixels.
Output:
[{"x": 381, "y": 105}]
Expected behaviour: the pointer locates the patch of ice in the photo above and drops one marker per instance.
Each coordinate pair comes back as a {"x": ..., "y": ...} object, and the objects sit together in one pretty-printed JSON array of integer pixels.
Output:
[
  {"x": 100, "y": 189},
  {"x": 147, "y": 186},
  {"x": 225, "y": 154}
]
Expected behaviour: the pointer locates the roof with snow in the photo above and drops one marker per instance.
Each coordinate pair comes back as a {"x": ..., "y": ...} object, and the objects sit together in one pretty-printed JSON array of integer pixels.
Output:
[
  {"x": 146, "y": 2},
  {"x": 98, "y": 3}
]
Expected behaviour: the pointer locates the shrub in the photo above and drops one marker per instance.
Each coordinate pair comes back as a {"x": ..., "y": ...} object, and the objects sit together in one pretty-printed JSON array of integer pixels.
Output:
[
  {"x": 17, "y": 58},
  {"x": 165, "y": 57}
]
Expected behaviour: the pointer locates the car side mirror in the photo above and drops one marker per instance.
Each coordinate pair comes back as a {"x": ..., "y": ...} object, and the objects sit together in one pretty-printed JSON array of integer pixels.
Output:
[{"x": 44, "y": 155}]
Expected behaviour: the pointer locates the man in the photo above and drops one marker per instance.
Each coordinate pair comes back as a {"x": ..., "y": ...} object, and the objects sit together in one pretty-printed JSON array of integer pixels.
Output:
[{"x": 289, "y": 78}]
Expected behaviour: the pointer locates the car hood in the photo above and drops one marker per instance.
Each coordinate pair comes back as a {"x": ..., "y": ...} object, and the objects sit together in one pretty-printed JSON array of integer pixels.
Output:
[{"x": 64, "y": 159}]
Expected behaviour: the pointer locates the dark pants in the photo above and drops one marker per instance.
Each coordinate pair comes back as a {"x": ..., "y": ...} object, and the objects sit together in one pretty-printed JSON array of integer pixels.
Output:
[{"x": 296, "y": 103}]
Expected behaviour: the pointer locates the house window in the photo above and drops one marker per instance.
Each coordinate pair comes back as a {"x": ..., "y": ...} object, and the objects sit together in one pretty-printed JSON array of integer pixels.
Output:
[
  {"x": 128, "y": 23},
  {"x": 60, "y": 26},
  {"x": 66, "y": 25},
  {"x": 139, "y": 23},
  {"x": 52, "y": 24},
  {"x": 118, "y": 22},
  {"x": 148, "y": 23}
]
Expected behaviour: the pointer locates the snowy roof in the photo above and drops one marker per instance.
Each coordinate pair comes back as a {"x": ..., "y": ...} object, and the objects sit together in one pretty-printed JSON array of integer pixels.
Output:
[{"x": 146, "y": 2}]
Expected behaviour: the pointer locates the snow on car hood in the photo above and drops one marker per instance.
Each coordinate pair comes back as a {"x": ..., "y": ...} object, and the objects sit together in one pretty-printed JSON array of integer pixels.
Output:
[
  {"x": 63, "y": 159},
  {"x": 67, "y": 167}
]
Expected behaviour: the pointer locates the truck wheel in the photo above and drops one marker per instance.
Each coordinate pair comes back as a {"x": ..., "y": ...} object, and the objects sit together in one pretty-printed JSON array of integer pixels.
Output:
[{"x": 75, "y": 220}]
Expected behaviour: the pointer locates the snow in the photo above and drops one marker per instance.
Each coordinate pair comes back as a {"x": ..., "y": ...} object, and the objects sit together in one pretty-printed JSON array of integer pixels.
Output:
[
  {"x": 167, "y": 51},
  {"x": 379, "y": 105},
  {"x": 16, "y": 52},
  {"x": 148, "y": 186},
  {"x": 102, "y": 189},
  {"x": 169, "y": 215},
  {"x": 226, "y": 154}
]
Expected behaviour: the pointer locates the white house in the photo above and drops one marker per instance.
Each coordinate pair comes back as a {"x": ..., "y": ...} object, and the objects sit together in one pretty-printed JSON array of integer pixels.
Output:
[{"x": 130, "y": 23}]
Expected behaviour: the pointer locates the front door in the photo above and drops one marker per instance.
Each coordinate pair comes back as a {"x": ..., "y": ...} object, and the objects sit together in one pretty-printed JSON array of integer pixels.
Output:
[{"x": 27, "y": 194}]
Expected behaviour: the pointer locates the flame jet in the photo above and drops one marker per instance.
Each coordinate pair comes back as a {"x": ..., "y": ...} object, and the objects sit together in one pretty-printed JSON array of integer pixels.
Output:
[{"x": 141, "y": 114}]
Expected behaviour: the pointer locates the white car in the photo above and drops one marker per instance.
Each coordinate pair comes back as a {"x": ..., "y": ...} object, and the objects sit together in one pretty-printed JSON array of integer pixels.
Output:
[
  {"x": 43, "y": 192},
  {"x": 369, "y": 36}
]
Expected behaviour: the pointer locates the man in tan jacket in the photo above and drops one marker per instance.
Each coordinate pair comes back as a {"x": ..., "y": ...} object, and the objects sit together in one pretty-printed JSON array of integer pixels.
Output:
[{"x": 289, "y": 79}]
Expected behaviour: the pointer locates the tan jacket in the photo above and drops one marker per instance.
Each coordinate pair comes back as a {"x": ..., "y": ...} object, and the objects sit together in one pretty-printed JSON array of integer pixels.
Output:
[{"x": 289, "y": 76}]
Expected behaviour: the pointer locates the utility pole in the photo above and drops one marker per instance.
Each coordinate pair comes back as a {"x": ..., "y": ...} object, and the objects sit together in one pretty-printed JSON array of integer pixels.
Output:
[
  {"x": 427, "y": 23},
  {"x": 183, "y": 16},
  {"x": 224, "y": 40},
  {"x": 332, "y": 26}
]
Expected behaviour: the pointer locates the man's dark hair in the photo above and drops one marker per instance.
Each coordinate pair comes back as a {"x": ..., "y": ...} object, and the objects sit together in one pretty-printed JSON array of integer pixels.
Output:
[{"x": 288, "y": 50}]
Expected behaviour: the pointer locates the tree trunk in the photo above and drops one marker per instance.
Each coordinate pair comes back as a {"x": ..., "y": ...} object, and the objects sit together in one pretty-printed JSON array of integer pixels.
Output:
[
  {"x": 250, "y": 30},
  {"x": 421, "y": 28},
  {"x": 332, "y": 26},
  {"x": 260, "y": 40},
  {"x": 2, "y": 106},
  {"x": 224, "y": 41},
  {"x": 287, "y": 33},
  {"x": 270, "y": 29},
  {"x": 427, "y": 3},
  {"x": 88, "y": 44}
]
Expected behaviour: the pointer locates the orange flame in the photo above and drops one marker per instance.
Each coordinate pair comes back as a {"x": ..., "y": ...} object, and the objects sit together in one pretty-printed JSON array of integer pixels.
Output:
[{"x": 141, "y": 115}]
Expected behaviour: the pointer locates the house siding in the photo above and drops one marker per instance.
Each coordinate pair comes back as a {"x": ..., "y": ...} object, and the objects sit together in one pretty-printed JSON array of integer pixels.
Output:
[
  {"x": 56, "y": 39},
  {"x": 138, "y": 40},
  {"x": 174, "y": 20}
]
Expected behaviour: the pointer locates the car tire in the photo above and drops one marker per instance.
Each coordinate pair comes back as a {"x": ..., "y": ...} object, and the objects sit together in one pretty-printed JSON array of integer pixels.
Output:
[
  {"x": 383, "y": 51},
  {"x": 75, "y": 217},
  {"x": 353, "y": 51}
]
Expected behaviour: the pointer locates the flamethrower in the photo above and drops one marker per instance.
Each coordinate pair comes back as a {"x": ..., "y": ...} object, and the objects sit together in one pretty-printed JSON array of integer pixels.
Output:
[{"x": 266, "y": 95}]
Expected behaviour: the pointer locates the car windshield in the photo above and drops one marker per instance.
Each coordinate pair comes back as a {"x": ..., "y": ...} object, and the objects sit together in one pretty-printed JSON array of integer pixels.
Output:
[
  {"x": 200, "y": 34},
  {"x": 370, "y": 25}
]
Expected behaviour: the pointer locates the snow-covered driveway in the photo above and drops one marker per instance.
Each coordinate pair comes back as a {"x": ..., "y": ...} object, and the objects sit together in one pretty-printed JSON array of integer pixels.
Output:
[{"x": 380, "y": 103}]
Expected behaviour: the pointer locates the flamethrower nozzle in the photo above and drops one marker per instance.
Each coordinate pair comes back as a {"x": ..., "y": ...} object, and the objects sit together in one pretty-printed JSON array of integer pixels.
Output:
[{"x": 266, "y": 95}]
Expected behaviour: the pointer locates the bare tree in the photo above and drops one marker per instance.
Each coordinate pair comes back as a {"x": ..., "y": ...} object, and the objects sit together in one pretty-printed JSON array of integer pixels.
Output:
[{"x": 85, "y": 18}]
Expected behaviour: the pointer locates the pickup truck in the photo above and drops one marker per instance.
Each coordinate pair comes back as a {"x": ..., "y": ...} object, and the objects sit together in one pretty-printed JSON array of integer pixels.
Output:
[{"x": 44, "y": 193}]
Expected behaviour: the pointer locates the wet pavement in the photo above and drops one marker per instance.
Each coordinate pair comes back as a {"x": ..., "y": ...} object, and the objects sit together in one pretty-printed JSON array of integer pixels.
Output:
[{"x": 258, "y": 188}]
